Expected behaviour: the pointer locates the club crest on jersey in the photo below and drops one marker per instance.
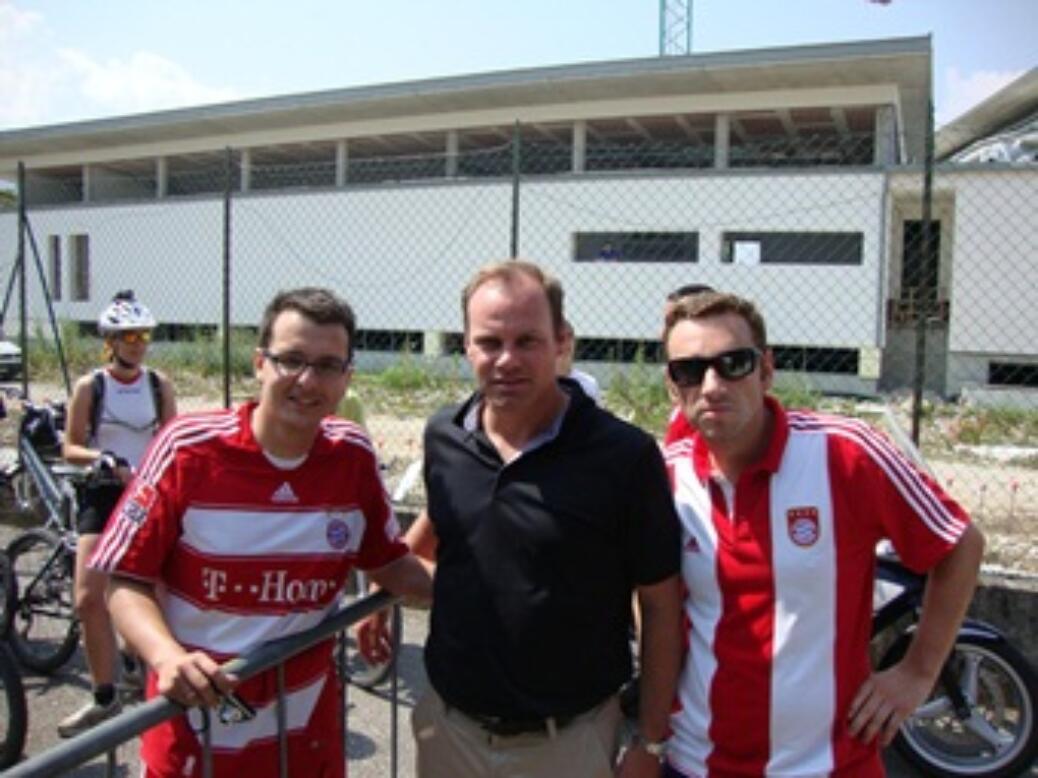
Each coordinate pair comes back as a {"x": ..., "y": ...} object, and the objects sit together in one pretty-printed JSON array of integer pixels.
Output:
[
  {"x": 137, "y": 505},
  {"x": 338, "y": 534},
  {"x": 803, "y": 525}
]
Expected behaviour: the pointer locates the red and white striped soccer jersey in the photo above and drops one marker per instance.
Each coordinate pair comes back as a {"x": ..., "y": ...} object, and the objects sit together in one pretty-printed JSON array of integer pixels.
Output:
[
  {"x": 243, "y": 552},
  {"x": 779, "y": 571}
]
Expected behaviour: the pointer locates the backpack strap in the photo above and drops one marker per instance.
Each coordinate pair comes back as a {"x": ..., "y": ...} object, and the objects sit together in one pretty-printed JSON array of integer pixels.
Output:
[
  {"x": 97, "y": 387},
  {"x": 156, "y": 393}
]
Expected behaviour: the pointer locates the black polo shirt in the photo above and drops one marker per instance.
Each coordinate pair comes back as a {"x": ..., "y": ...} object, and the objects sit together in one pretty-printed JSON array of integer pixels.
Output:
[{"x": 537, "y": 560}]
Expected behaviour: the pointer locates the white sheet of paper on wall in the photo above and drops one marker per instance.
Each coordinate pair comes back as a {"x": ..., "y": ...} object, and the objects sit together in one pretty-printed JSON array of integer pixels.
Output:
[{"x": 746, "y": 252}]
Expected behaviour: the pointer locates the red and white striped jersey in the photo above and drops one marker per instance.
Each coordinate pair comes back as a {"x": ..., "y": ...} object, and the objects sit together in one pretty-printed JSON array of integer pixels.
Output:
[
  {"x": 779, "y": 570},
  {"x": 243, "y": 551}
]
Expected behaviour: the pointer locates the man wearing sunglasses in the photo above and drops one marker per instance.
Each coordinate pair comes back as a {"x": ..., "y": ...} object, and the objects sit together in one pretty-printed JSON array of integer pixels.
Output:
[
  {"x": 781, "y": 512},
  {"x": 241, "y": 527},
  {"x": 112, "y": 416}
]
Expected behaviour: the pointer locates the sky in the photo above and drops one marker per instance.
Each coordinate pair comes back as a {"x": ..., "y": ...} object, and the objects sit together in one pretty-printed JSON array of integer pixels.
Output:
[{"x": 70, "y": 60}]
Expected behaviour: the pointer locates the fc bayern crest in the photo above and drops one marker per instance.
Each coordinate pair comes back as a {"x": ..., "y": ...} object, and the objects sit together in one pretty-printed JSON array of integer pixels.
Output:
[
  {"x": 338, "y": 534},
  {"x": 804, "y": 526}
]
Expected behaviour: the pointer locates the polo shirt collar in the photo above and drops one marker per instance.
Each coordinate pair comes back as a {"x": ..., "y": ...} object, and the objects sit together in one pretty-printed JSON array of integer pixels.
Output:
[
  {"x": 471, "y": 418},
  {"x": 771, "y": 458}
]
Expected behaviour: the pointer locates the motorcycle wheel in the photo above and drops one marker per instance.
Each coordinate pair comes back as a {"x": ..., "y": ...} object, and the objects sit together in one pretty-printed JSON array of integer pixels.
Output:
[{"x": 999, "y": 739}]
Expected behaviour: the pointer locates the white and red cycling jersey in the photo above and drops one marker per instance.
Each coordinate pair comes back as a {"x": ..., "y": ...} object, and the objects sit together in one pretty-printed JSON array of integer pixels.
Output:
[
  {"x": 241, "y": 551},
  {"x": 779, "y": 570}
]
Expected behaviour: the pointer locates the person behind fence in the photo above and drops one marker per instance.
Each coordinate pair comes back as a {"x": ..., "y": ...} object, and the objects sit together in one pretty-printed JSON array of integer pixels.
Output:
[
  {"x": 544, "y": 512},
  {"x": 112, "y": 416},
  {"x": 781, "y": 513},
  {"x": 242, "y": 526},
  {"x": 565, "y": 365}
]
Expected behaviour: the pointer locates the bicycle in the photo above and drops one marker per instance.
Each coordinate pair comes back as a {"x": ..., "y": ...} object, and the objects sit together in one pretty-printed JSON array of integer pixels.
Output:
[
  {"x": 14, "y": 722},
  {"x": 980, "y": 718},
  {"x": 44, "y": 631},
  {"x": 358, "y": 670}
]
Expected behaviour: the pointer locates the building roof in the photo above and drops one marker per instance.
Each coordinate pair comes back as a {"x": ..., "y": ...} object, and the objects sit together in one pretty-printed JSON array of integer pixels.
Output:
[
  {"x": 903, "y": 63},
  {"x": 1001, "y": 111}
]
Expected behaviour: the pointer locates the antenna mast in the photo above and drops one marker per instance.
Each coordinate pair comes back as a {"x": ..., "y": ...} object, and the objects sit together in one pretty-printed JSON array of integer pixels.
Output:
[{"x": 675, "y": 27}]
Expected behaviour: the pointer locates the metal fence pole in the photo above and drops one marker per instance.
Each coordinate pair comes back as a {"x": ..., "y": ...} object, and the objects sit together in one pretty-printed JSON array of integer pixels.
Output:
[
  {"x": 517, "y": 155},
  {"x": 23, "y": 336},
  {"x": 228, "y": 184},
  {"x": 925, "y": 292}
]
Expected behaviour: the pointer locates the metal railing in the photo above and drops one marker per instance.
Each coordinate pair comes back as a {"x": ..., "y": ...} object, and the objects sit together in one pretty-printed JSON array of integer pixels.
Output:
[{"x": 104, "y": 738}]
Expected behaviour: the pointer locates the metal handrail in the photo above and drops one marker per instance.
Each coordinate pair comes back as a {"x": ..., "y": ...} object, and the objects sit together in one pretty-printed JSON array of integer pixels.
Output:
[{"x": 109, "y": 734}]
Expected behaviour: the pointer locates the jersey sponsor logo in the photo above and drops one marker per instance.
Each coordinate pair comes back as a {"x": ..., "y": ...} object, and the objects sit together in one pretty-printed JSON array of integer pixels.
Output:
[
  {"x": 803, "y": 525},
  {"x": 338, "y": 534},
  {"x": 137, "y": 505},
  {"x": 284, "y": 493},
  {"x": 274, "y": 587},
  {"x": 692, "y": 545}
]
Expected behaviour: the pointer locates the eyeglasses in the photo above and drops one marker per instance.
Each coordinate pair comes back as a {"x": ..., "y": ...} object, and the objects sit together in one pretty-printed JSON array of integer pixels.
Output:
[
  {"x": 135, "y": 336},
  {"x": 295, "y": 364},
  {"x": 730, "y": 365}
]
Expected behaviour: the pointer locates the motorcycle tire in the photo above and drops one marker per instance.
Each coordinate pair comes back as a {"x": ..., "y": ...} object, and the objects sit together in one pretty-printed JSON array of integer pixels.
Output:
[{"x": 1000, "y": 737}]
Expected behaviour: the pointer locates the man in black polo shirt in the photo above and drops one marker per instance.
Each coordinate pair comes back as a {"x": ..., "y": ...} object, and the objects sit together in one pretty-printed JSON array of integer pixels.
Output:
[{"x": 544, "y": 514}]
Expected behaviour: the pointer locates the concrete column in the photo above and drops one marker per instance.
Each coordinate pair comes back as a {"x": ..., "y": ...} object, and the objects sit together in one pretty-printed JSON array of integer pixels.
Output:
[
  {"x": 87, "y": 183},
  {"x": 342, "y": 161},
  {"x": 722, "y": 140},
  {"x": 161, "y": 177},
  {"x": 246, "y": 170},
  {"x": 432, "y": 343},
  {"x": 884, "y": 152},
  {"x": 452, "y": 154},
  {"x": 579, "y": 146},
  {"x": 869, "y": 361}
]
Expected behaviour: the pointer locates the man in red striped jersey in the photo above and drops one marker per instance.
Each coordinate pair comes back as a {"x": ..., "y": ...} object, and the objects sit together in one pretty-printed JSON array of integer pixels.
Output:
[
  {"x": 781, "y": 512},
  {"x": 241, "y": 527}
]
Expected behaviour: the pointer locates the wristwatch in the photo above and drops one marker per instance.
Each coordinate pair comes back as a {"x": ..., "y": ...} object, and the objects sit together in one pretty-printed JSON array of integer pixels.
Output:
[{"x": 656, "y": 748}]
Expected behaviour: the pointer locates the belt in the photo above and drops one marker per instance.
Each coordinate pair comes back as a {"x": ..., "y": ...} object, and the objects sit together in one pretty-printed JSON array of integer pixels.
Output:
[{"x": 504, "y": 727}]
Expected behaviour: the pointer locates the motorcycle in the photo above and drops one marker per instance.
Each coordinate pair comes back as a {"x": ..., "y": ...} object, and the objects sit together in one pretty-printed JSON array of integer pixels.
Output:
[{"x": 979, "y": 720}]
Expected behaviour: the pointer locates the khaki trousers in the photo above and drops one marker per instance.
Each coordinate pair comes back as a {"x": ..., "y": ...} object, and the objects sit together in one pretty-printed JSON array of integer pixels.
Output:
[{"x": 451, "y": 745}]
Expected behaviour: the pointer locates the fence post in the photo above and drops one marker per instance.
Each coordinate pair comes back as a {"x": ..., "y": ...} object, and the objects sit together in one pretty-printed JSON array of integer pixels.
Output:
[
  {"x": 227, "y": 185},
  {"x": 23, "y": 320},
  {"x": 517, "y": 156},
  {"x": 923, "y": 312}
]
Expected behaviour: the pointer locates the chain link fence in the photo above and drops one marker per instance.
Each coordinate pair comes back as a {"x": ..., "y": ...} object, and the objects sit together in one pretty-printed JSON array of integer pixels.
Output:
[{"x": 899, "y": 294}]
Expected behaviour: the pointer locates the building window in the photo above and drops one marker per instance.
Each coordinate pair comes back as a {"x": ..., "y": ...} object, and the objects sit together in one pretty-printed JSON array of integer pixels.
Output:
[
  {"x": 636, "y": 247},
  {"x": 792, "y": 248},
  {"x": 1012, "y": 374},
  {"x": 54, "y": 266},
  {"x": 79, "y": 262}
]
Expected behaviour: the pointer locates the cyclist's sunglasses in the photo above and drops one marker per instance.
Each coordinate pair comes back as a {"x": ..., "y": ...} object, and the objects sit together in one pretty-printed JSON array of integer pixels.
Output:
[
  {"x": 135, "y": 336},
  {"x": 730, "y": 365}
]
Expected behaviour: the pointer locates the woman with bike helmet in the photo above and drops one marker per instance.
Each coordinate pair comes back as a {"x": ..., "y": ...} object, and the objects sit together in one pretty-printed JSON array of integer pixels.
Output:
[{"x": 114, "y": 412}]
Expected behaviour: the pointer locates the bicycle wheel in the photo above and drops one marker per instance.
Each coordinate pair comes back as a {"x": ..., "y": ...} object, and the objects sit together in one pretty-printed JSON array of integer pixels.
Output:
[
  {"x": 998, "y": 739},
  {"x": 358, "y": 670},
  {"x": 14, "y": 722},
  {"x": 44, "y": 631},
  {"x": 8, "y": 594}
]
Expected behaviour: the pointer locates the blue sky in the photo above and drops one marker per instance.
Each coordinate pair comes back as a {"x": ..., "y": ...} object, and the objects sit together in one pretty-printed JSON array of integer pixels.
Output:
[{"x": 68, "y": 60}]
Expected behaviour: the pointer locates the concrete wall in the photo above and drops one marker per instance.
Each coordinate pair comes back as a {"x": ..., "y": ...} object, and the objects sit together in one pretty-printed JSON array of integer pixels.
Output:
[{"x": 402, "y": 253}]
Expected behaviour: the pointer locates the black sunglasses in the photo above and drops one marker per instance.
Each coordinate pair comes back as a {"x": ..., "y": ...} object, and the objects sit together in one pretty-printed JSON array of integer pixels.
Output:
[{"x": 730, "y": 365}]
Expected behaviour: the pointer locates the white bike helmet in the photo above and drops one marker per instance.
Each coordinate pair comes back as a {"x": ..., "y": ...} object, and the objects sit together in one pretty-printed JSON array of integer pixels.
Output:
[{"x": 124, "y": 313}]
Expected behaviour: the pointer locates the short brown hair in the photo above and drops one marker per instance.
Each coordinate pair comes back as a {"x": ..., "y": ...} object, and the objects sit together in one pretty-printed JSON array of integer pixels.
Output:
[
  {"x": 506, "y": 272},
  {"x": 320, "y": 305},
  {"x": 706, "y": 304}
]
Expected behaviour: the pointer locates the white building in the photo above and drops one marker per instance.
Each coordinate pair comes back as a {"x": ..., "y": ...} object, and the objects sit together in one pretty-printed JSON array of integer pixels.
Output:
[{"x": 790, "y": 175}]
